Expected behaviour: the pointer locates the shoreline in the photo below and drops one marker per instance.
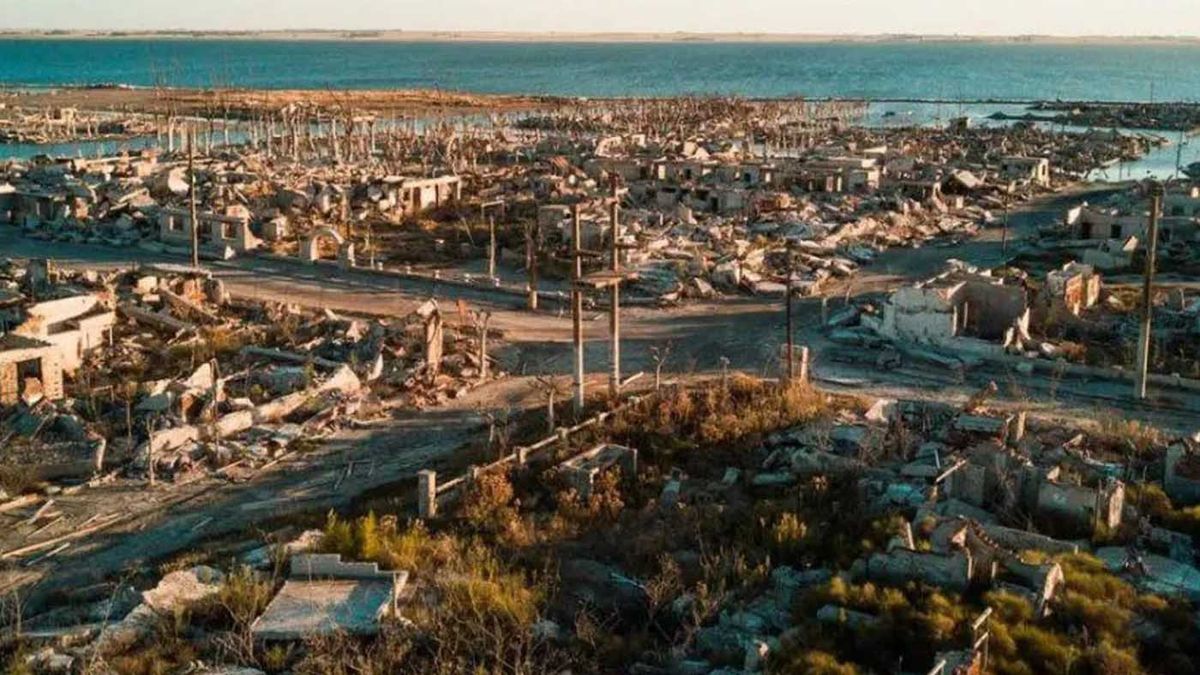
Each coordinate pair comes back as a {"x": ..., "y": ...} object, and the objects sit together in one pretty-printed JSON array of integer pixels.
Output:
[
  {"x": 106, "y": 92},
  {"x": 397, "y": 36}
]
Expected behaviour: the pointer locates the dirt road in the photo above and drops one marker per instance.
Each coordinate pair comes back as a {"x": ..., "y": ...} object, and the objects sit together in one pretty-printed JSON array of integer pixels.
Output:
[{"x": 746, "y": 331}]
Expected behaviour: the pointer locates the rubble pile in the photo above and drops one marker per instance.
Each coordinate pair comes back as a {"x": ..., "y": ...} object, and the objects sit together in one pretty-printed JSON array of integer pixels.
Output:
[
  {"x": 716, "y": 195},
  {"x": 19, "y": 124},
  {"x": 160, "y": 369},
  {"x": 846, "y": 526},
  {"x": 1112, "y": 233},
  {"x": 976, "y": 500}
]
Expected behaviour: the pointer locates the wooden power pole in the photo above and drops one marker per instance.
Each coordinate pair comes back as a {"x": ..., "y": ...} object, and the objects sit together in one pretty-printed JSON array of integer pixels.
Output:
[
  {"x": 614, "y": 316},
  {"x": 577, "y": 304},
  {"x": 1143, "y": 354},
  {"x": 791, "y": 342}
]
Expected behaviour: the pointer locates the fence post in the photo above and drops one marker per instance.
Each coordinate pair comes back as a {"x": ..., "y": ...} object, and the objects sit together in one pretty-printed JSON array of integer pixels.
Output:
[{"x": 427, "y": 493}]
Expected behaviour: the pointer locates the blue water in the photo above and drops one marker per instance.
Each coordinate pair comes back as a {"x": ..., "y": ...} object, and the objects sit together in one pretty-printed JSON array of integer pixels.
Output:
[{"x": 880, "y": 70}]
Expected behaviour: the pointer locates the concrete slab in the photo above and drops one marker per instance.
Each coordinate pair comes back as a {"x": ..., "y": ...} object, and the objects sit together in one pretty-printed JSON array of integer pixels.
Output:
[
  {"x": 306, "y": 608},
  {"x": 326, "y": 595}
]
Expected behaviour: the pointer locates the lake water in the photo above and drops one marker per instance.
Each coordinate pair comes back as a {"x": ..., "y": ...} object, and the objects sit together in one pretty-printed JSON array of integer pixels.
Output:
[{"x": 919, "y": 70}]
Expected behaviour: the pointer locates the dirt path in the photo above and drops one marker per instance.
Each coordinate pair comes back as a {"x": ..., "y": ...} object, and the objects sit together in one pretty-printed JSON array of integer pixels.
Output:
[{"x": 167, "y": 519}]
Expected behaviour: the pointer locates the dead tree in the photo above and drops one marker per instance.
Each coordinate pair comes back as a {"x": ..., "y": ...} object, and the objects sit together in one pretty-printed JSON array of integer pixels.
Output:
[
  {"x": 498, "y": 423},
  {"x": 659, "y": 355},
  {"x": 552, "y": 389},
  {"x": 481, "y": 320}
]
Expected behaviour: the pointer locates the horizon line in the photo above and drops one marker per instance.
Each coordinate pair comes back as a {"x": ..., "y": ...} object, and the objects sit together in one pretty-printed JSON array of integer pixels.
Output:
[{"x": 386, "y": 34}]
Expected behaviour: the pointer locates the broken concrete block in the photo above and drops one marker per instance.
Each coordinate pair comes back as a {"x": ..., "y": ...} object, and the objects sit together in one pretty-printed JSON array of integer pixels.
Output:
[
  {"x": 137, "y": 626},
  {"x": 145, "y": 285},
  {"x": 901, "y": 566},
  {"x": 582, "y": 469},
  {"x": 1181, "y": 476},
  {"x": 326, "y": 595},
  {"x": 183, "y": 588},
  {"x": 849, "y": 440},
  {"x": 843, "y": 318},
  {"x": 882, "y": 411},
  {"x": 46, "y": 660},
  {"x": 841, "y": 616},
  {"x": 202, "y": 378},
  {"x": 230, "y": 425},
  {"x": 770, "y": 480},
  {"x": 165, "y": 440}
]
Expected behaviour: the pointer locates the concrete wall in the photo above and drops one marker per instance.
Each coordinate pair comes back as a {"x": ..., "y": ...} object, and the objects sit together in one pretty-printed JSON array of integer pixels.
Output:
[
  {"x": 1082, "y": 506},
  {"x": 992, "y": 308},
  {"x": 58, "y": 323},
  {"x": 174, "y": 226},
  {"x": 9, "y": 390},
  {"x": 1182, "y": 490},
  {"x": 920, "y": 315},
  {"x": 900, "y": 566},
  {"x": 239, "y": 239},
  {"x": 1020, "y": 540},
  {"x": 46, "y": 315}
]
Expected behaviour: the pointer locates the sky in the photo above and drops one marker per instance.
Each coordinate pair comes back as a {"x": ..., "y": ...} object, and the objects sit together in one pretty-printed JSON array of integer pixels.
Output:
[{"x": 943, "y": 17}]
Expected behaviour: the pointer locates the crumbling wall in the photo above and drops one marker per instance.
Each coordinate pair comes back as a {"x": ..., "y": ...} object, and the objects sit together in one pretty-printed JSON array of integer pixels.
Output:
[
  {"x": 919, "y": 315},
  {"x": 310, "y": 248},
  {"x": 9, "y": 390},
  {"x": 1082, "y": 507},
  {"x": 992, "y": 308},
  {"x": 241, "y": 239},
  {"x": 1182, "y": 487},
  {"x": 901, "y": 566},
  {"x": 1043, "y": 580},
  {"x": 1020, "y": 540}
]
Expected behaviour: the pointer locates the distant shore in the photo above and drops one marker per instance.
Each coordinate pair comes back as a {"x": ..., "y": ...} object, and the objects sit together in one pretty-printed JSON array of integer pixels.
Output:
[{"x": 599, "y": 37}]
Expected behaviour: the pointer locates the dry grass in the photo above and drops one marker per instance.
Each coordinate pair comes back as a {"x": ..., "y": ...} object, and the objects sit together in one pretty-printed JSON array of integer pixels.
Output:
[
  {"x": 735, "y": 414},
  {"x": 1126, "y": 436}
]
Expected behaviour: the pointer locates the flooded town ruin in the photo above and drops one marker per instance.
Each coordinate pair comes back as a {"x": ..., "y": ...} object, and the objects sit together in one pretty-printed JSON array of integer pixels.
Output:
[{"x": 349, "y": 382}]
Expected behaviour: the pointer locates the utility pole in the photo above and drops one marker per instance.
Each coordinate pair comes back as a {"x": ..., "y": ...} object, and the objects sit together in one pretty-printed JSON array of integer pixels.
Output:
[
  {"x": 577, "y": 304},
  {"x": 532, "y": 234},
  {"x": 491, "y": 247},
  {"x": 1143, "y": 355},
  {"x": 1004, "y": 232},
  {"x": 791, "y": 344},
  {"x": 1179, "y": 154},
  {"x": 195, "y": 221},
  {"x": 614, "y": 317}
]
